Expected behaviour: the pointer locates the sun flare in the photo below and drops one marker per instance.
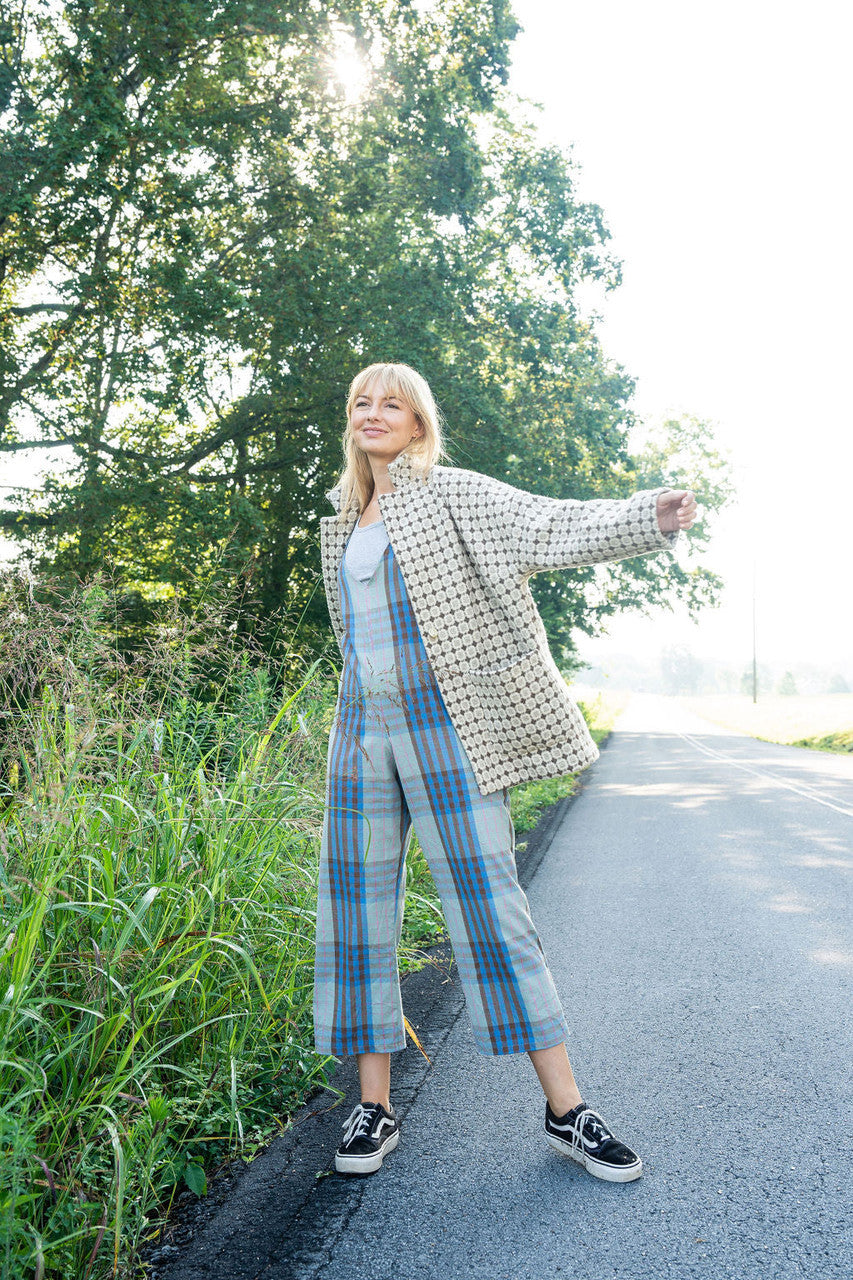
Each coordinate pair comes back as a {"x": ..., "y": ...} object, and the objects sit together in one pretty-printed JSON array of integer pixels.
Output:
[{"x": 349, "y": 69}]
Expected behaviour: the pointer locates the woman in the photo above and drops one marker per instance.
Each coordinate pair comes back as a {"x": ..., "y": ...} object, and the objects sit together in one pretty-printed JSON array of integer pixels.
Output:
[{"x": 448, "y": 696}]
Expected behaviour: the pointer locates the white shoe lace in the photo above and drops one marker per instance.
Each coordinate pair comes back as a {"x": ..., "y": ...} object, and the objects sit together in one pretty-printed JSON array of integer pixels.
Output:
[
  {"x": 358, "y": 1123},
  {"x": 591, "y": 1123}
]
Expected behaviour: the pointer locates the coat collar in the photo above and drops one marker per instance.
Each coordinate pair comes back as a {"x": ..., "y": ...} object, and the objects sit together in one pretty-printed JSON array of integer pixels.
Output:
[{"x": 401, "y": 470}]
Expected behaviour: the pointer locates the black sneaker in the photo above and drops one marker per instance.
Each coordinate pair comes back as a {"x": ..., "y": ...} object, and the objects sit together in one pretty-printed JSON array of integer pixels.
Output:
[
  {"x": 369, "y": 1132},
  {"x": 582, "y": 1134}
]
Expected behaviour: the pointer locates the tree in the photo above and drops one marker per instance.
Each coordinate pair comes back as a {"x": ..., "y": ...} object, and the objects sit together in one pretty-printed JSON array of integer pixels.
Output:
[
  {"x": 202, "y": 237},
  {"x": 787, "y": 684},
  {"x": 764, "y": 681},
  {"x": 681, "y": 671}
]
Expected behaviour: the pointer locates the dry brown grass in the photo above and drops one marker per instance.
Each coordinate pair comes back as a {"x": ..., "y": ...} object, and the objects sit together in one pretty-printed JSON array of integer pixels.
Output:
[{"x": 778, "y": 718}]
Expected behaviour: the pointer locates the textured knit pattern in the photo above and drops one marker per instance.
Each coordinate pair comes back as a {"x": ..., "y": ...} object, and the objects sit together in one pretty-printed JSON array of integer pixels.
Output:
[
  {"x": 395, "y": 761},
  {"x": 466, "y": 545}
]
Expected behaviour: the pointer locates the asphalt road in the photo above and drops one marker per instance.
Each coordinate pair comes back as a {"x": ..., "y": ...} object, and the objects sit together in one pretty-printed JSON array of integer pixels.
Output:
[{"x": 694, "y": 908}]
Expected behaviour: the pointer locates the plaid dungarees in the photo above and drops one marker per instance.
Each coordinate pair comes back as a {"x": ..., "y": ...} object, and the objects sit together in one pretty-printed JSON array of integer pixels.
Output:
[{"x": 395, "y": 761}]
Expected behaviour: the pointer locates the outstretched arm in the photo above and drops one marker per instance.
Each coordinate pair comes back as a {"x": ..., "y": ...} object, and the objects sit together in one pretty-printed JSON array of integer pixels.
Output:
[{"x": 529, "y": 532}]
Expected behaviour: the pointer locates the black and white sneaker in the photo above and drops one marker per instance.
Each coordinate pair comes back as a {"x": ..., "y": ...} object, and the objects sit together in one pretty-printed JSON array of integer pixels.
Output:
[
  {"x": 369, "y": 1133},
  {"x": 582, "y": 1134}
]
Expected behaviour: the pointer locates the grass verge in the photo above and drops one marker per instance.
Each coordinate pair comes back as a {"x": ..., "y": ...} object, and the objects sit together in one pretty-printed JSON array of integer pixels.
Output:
[
  {"x": 829, "y": 742},
  {"x": 160, "y": 820}
]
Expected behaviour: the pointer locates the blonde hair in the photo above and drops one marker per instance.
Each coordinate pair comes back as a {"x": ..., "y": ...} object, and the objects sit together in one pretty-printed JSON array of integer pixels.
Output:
[{"x": 407, "y": 384}]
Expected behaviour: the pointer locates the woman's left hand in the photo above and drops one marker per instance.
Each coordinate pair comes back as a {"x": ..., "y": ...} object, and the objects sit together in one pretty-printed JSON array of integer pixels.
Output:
[{"x": 676, "y": 510}]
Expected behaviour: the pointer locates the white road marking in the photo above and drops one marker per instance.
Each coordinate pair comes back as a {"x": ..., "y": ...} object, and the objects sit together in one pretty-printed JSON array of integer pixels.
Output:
[{"x": 806, "y": 792}]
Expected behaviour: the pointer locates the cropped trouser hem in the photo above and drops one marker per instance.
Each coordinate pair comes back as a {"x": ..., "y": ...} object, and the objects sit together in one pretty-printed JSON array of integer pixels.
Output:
[
  {"x": 544, "y": 1035},
  {"x": 365, "y": 1041}
]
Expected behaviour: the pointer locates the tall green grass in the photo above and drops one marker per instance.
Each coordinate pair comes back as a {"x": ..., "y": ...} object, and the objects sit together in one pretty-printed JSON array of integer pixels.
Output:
[
  {"x": 160, "y": 815},
  {"x": 159, "y": 826}
]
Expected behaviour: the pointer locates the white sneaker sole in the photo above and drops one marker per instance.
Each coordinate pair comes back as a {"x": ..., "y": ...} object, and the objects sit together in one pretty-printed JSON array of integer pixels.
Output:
[
  {"x": 609, "y": 1172},
  {"x": 367, "y": 1164}
]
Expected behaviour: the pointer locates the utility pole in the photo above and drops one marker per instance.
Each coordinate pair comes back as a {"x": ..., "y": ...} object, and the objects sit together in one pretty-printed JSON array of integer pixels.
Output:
[{"x": 754, "y": 649}]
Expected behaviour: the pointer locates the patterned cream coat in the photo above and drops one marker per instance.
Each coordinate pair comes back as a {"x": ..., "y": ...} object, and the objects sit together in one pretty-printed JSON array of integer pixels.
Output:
[{"x": 466, "y": 545}]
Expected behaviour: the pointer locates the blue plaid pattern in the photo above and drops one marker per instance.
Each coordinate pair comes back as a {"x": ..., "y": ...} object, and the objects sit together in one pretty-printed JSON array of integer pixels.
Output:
[{"x": 396, "y": 762}]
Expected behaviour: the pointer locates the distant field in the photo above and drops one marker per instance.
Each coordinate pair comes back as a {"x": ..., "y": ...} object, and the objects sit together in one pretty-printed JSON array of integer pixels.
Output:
[{"x": 779, "y": 719}]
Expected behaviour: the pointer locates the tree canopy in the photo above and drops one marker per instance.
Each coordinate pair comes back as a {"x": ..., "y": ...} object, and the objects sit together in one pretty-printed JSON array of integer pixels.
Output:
[{"x": 212, "y": 214}]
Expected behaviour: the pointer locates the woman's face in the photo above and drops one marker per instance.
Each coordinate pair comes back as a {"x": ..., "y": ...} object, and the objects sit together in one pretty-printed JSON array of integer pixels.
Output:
[{"x": 382, "y": 424}]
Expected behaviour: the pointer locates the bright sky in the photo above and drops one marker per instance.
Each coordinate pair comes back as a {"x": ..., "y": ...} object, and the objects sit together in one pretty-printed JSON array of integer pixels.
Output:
[{"x": 717, "y": 140}]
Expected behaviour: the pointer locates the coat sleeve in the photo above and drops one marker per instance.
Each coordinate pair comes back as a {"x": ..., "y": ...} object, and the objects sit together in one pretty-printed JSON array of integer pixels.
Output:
[{"x": 533, "y": 532}]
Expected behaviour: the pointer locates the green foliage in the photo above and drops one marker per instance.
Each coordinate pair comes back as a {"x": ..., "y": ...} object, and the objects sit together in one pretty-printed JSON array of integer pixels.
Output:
[
  {"x": 602, "y": 712},
  {"x": 753, "y": 682},
  {"x": 842, "y": 741},
  {"x": 203, "y": 237},
  {"x": 529, "y": 799},
  {"x": 680, "y": 453},
  {"x": 160, "y": 815},
  {"x": 787, "y": 684}
]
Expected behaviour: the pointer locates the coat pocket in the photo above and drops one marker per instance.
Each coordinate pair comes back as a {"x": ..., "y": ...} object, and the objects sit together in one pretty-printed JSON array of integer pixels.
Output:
[{"x": 526, "y": 707}]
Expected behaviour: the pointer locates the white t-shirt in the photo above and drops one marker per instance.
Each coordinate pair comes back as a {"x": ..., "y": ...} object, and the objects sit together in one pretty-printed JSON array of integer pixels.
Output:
[{"x": 365, "y": 549}]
